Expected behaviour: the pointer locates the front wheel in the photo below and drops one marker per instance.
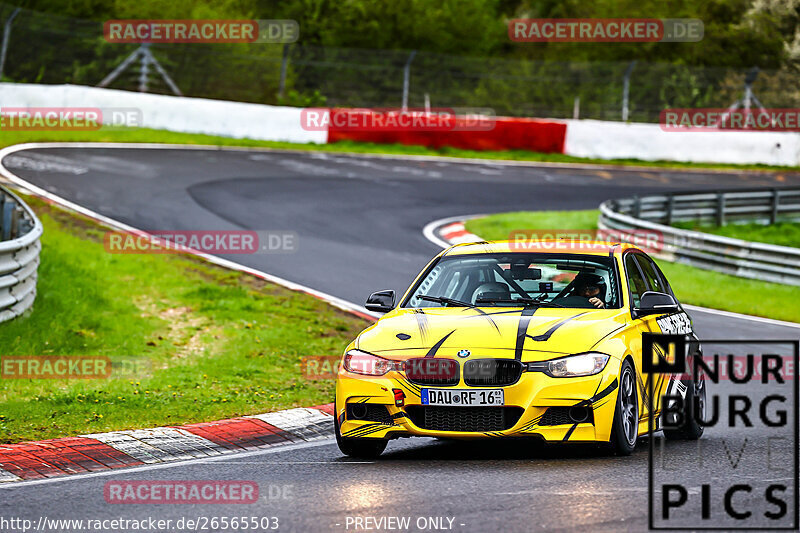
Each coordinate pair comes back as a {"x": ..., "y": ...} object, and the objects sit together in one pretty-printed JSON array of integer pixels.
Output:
[
  {"x": 357, "y": 448},
  {"x": 625, "y": 428},
  {"x": 694, "y": 411}
]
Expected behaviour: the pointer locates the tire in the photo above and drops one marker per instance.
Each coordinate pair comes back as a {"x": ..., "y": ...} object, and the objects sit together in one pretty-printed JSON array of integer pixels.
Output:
[
  {"x": 358, "y": 448},
  {"x": 691, "y": 429},
  {"x": 625, "y": 428}
]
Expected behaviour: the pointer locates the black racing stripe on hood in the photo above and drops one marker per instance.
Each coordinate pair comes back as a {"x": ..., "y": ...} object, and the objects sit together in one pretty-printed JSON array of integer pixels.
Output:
[
  {"x": 522, "y": 330},
  {"x": 547, "y": 334},
  {"x": 482, "y": 313},
  {"x": 435, "y": 347}
]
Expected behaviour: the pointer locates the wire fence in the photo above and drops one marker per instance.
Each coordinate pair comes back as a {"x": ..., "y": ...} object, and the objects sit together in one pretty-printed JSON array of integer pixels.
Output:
[{"x": 44, "y": 48}]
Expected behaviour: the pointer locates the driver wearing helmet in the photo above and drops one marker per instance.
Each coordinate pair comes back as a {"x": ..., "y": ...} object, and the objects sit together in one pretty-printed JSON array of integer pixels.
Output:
[
  {"x": 588, "y": 290},
  {"x": 592, "y": 287}
]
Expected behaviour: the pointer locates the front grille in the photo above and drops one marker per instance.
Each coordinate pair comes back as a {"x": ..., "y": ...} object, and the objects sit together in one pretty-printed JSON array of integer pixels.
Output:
[
  {"x": 492, "y": 372},
  {"x": 432, "y": 371},
  {"x": 441, "y": 418},
  {"x": 557, "y": 416},
  {"x": 369, "y": 412}
]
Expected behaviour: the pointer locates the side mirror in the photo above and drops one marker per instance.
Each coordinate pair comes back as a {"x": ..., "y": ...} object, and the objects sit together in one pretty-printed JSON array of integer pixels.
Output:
[
  {"x": 656, "y": 303},
  {"x": 381, "y": 301}
]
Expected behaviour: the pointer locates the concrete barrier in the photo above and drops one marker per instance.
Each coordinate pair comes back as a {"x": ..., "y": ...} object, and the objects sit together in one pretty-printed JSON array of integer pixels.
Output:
[
  {"x": 648, "y": 142},
  {"x": 181, "y": 114}
]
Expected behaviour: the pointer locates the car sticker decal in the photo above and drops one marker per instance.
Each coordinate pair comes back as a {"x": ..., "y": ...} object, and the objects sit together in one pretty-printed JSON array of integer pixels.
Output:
[
  {"x": 403, "y": 336},
  {"x": 435, "y": 347},
  {"x": 522, "y": 329},
  {"x": 366, "y": 430},
  {"x": 422, "y": 324},
  {"x": 588, "y": 403},
  {"x": 547, "y": 334},
  {"x": 410, "y": 387}
]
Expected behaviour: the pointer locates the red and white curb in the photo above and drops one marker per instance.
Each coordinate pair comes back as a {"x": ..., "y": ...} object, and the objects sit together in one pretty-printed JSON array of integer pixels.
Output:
[
  {"x": 119, "y": 449},
  {"x": 456, "y": 233}
]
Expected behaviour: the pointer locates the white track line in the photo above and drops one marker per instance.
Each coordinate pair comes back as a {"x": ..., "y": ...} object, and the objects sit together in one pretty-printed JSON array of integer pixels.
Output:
[
  {"x": 430, "y": 233},
  {"x": 115, "y": 224}
]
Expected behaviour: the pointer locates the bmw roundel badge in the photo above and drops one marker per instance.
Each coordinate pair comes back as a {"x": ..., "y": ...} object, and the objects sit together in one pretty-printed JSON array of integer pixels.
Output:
[{"x": 463, "y": 353}]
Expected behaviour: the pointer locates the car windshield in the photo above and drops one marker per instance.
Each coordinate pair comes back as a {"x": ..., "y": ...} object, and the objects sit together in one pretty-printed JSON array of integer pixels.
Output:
[{"x": 517, "y": 279}]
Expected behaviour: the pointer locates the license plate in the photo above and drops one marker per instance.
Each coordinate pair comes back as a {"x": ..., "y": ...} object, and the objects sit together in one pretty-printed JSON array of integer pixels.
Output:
[{"x": 461, "y": 397}]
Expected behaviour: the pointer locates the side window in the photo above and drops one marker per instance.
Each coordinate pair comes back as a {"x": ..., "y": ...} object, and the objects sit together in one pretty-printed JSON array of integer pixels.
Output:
[
  {"x": 636, "y": 282},
  {"x": 651, "y": 275}
]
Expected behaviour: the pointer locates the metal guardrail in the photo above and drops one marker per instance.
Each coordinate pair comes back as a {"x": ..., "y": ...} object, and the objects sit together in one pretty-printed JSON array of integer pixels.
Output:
[
  {"x": 754, "y": 260},
  {"x": 19, "y": 255}
]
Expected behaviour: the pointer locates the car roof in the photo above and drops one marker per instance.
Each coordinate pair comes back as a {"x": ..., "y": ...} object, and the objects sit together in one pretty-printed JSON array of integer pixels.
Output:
[{"x": 543, "y": 246}]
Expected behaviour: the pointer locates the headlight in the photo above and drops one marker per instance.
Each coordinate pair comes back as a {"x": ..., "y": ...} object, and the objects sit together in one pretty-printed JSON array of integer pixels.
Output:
[
  {"x": 367, "y": 364},
  {"x": 585, "y": 364}
]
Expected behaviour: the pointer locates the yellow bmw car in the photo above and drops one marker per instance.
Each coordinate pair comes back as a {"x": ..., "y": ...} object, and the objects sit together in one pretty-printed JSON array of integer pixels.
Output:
[{"x": 498, "y": 340}]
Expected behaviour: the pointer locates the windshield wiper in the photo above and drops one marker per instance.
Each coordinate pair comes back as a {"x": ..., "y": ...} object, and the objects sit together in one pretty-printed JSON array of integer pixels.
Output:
[
  {"x": 523, "y": 301},
  {"x": 444, "y": 300}
]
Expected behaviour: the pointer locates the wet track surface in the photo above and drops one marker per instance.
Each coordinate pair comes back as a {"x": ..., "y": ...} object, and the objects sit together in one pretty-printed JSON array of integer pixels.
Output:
[{"x": 359, "y": 224}]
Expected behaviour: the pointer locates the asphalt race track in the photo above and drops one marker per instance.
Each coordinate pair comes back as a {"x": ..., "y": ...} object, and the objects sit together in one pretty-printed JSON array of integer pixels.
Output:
[{"x": 359, "y": 223}]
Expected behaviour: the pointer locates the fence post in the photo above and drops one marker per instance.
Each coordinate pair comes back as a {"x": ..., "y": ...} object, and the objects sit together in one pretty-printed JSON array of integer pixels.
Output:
[
  {"x": 776, "y": 198},
  {"x": 637, "y": 207},
  {"x": 284, "y": 65},
  {"x": 720, "y": 212},
  {"x": 406, "y": 76},
  {"x": 626, "y": 85},
  {"x": 6, "y": 37}
]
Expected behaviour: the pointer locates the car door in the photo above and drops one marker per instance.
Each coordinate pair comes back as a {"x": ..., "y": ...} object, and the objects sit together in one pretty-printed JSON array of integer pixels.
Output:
[{"x": 638, "y": 284}]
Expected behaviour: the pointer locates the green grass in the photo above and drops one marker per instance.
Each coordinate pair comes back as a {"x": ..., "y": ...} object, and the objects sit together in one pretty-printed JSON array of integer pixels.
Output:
[
  {"x": 219, "y": 343},
  {"x": 143, "y": 135},
  {"x": 782, "y": 233},
  {"x": 691, "y": 285}
]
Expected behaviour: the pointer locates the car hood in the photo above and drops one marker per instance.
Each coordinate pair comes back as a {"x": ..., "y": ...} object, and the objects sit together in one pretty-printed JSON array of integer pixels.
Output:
[{"x": 531, "y": 334}]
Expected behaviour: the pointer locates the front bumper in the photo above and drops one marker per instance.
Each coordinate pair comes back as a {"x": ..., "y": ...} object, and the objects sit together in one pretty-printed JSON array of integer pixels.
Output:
[{"x": 534, "y": 393}]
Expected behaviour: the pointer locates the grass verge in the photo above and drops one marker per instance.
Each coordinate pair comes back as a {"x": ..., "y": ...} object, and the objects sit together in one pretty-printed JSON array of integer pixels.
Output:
[
  {"x": 782, "y": 233},
  {"x": 144, "y": 135},
  {"x": 691, "y": 285},
  {"x": 218, "y": 343}
]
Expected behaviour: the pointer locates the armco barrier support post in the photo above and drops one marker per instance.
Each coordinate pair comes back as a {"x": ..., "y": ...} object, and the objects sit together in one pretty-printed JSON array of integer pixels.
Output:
[
  {"x": 637, "y": 207},
  {"x": 15, "y": 219},
  {"x": 720, "y": 212},
  {"x": 670, "y": 209},
  {"x": 776, "y": 198},
  {"x": 8, "y": 210}
]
